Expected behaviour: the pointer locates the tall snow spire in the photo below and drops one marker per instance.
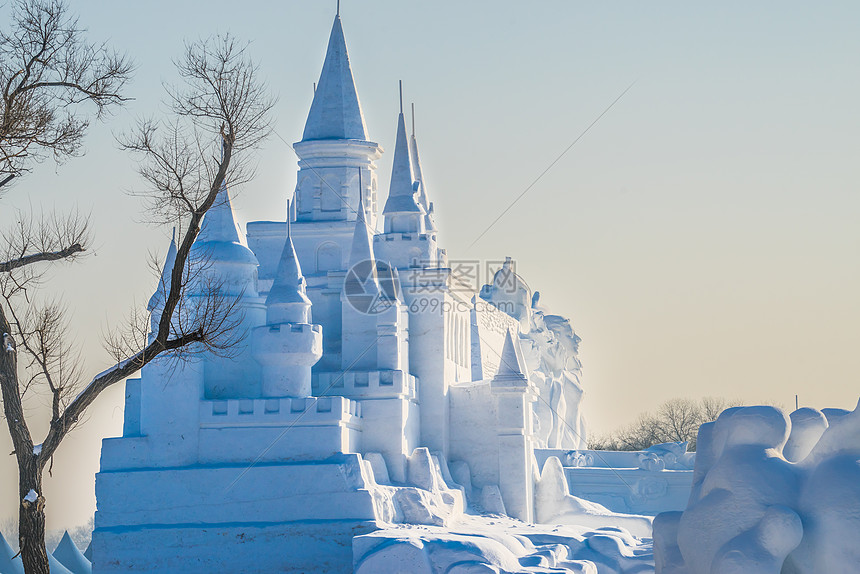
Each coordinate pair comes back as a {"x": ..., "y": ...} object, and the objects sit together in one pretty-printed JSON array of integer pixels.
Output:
[
  {"x": 287, "y": 301},
  {"x": 336, "y": 111},
  {"x": 401, "y": 193}
]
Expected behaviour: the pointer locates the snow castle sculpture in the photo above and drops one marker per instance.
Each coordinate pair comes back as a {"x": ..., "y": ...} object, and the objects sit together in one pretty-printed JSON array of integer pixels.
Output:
[{"x": 371, "y": 386}]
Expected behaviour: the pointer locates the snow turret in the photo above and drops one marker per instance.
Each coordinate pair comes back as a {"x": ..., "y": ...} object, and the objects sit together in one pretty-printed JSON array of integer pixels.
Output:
[
  {"x": 336, "y": 112},
  {"x": 288, "y": 345},
  {"x": 287, "y": 301},
  {"x": 335, "y": 156},
  {"x": 402, "y": 211}
]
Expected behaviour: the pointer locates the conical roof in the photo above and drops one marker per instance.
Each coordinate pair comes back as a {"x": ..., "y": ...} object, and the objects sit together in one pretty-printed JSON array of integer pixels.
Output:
[
  {"x": 401, "y": 192},
  {"x": 335, "y": 112},
  {"x": 69, "y": 556},
  {"x": 512, "y": 364},
  {"x": 219, "y": 223},
  {"x": 288, "y": 286},
  {"x": 160, "y": 295},
  {"x": 219, "y": 233}
]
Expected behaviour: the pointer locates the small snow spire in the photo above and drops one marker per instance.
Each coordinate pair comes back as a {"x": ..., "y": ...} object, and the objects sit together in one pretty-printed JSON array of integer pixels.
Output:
[
  {"x": 336, "y": 111},
  {"x": 361, "y": 258},
  {"x": 362, "y": 238},
  {"x": 401, "y": 192},
  {"x": 287, "y": 301},
  {"x": 419, "y": 176},
  {"x": 512, "y": 366}
]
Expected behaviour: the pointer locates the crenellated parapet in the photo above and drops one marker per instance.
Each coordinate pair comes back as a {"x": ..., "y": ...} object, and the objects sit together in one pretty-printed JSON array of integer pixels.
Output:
[{"x": 367, "y": 384}]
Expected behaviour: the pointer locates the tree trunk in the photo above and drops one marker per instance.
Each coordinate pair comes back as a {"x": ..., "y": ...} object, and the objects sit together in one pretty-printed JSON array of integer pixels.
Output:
[{"x": 31, "y": 519}]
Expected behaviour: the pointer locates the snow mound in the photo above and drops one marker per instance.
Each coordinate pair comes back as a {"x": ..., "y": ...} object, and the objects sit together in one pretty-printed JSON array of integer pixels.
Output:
[
  {"x": 771, "y": 494},
  {"x": 554, "y": 505}
]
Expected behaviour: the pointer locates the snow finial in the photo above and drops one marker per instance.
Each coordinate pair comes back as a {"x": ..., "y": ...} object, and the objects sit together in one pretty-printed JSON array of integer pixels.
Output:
[
  {"x": 335, "y": 112},
  {"x": 401, "y": 193},
  {"x": 287, "y": 301}
]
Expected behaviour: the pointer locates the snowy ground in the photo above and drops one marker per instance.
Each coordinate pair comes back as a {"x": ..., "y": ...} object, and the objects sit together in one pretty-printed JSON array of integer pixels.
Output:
[{"x": 498, "y": 544}]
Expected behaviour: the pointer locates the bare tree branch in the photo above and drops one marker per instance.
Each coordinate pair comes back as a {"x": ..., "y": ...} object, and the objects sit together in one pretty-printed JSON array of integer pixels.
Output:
[
  {"x": 220, "y": 109},
  {"x": 47, "y": 70}
]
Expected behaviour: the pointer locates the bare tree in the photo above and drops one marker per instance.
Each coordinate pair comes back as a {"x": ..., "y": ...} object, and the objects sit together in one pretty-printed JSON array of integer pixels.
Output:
[
  {"x": 47, "y": 71},
  {"x": 676, "y": 420},
  {"x": 220, "y": 109}
]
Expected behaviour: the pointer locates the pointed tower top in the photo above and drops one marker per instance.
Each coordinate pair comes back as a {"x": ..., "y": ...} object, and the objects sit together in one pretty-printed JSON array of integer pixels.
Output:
[
  {"x": 401, "y": 193},
  {"x": 362, "y": 238},
  {"x": 335, "y": 112},
  {"x": 288, "y": 287},
  {"x": 219, "y": 223},
  {"x": 362, "y": 260},
  {"x": 160, "y": 295},
  {"x": 512, "y": 366}
]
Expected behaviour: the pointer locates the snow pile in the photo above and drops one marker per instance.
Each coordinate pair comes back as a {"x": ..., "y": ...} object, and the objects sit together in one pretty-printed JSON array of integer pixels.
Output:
[
  {"x": 426, "y": 499},
  {"x": 499, "y": 545},
  {"x": 771, "y": 494},
  {"x": 554, "y": 505}
]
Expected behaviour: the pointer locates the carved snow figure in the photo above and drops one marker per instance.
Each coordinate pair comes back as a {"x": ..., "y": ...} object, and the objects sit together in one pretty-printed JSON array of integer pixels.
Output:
[
  {"x": 752, "y": 511},
  {"x": 830, "y": 502}
]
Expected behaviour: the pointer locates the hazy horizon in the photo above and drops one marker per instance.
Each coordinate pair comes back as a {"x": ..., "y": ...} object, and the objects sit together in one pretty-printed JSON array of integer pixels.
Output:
[{"x": 702, "y": 237}]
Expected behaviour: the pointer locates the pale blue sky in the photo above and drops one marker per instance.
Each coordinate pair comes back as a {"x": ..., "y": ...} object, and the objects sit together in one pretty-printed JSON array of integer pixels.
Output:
[{"x": 702, "y": 237}]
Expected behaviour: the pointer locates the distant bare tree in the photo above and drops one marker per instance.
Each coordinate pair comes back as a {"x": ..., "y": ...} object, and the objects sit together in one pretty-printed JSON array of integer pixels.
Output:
[
  {"x": 219, "y": 110},
  {"x": 47, "y": 71},
  {"x": 676, "y": 420}
]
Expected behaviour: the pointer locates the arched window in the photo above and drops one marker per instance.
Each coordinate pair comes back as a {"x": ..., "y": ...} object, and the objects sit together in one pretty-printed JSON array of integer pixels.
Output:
[{"x": 329, "y": 257}]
